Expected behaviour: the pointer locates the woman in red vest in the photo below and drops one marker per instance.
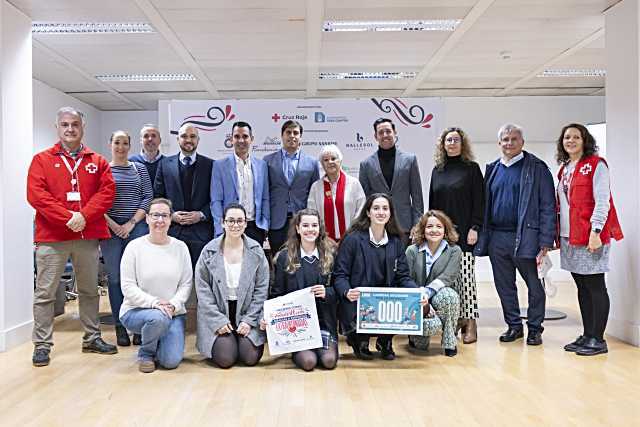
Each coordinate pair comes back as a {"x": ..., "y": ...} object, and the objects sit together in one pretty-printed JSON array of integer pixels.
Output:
[{"x": 587, "y": 223}]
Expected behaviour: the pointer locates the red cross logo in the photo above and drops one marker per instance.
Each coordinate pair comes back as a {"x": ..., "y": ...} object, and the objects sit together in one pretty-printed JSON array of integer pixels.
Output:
[
  {"x": 91, "y": 168},
  {"x": 275, "y": 117},
  {"x": 584, "y": 170}
]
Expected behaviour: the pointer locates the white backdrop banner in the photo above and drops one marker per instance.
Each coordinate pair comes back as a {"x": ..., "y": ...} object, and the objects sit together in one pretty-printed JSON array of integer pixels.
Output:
[{"x": 348, "y": 123}]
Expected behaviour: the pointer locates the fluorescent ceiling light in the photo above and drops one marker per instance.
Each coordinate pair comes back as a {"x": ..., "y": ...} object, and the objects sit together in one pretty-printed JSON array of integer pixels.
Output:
[
  {"x": 420, "y": 25},
  {"x": 168, "y": 77},
  {"x": 573, "y": 73},
  {"x": 91, "y": 28},
  {"x": 376, "y": 75}
]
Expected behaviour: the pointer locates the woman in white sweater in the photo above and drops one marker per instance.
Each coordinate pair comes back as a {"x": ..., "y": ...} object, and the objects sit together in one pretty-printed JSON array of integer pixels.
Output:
[{"x": 156, "y": 276}]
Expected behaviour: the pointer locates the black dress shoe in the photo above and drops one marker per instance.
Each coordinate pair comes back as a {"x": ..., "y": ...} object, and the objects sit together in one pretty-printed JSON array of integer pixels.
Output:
[
  {"x": 511, "y": 335},
  {"x": 40, "y": 357},
  {"x": 99, "y": 346},
  {"x": 576, "y": 345},
  {"x": 122, "y": 336},
  {"x": 137, "y": 339},
  {"x": 534, "y": 338},
  {"x": 360, "y": 348},
  {"x": 592, "y": 347},
  {"x": 386, "y": 349},
  {"x": 450, "y": 352}
]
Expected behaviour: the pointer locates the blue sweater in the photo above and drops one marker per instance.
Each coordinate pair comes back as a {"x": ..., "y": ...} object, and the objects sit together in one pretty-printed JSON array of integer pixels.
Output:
[{"x": 505, "y": 197}]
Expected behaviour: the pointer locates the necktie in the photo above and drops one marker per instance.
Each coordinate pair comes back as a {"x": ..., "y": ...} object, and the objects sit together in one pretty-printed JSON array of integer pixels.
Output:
[
  {"x": 290, "y": 170},
  {"x": 187, "y": 161}
]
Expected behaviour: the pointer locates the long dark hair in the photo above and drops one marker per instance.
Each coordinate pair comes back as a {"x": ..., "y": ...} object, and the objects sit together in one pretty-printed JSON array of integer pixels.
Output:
[
  {"x": 325, "y": 245},
  {"x": 589, "y": 145},
  {"x": 363, "y": 222}
]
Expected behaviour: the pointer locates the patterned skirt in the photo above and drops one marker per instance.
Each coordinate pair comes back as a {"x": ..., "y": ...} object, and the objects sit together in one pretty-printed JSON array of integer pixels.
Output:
[{"x": 466, "y": 287}]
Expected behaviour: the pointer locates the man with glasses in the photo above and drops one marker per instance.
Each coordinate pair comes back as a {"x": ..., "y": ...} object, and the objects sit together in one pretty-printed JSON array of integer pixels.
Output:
[
  {"x": 185, "y": 179},
  {"x": 71, "y": 188},
  {"x": 396, "y": 173},
  {"x": 241, "y": 178}
]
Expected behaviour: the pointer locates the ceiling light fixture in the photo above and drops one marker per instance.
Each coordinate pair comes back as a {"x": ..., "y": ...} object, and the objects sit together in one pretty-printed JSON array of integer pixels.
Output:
[
  {"x": 168, "y": 77},
  {"x": 91, "y": 28},
  {"x": 407, "y": 25},
  {"x": 376, "y": 75},
  {"x": 573, "y": 73}
]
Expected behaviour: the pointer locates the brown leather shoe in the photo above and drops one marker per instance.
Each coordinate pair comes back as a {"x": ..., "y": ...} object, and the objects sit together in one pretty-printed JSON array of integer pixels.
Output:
[
  {"x": 471, "y": 333},
  {"x": 461, "y": 326}
]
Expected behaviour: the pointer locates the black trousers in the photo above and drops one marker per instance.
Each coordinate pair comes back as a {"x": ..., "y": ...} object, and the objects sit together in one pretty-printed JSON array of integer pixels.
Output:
[
  {"x": 278, "y": 237},
  {"x": 253, "y": 232},
  {"x": 594, "y": 303}
]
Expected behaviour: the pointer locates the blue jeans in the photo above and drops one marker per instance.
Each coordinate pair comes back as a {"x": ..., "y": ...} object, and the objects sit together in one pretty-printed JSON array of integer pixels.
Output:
[
  {"x": 112, "y": 250},
  {"x": 162, "y": 338}
]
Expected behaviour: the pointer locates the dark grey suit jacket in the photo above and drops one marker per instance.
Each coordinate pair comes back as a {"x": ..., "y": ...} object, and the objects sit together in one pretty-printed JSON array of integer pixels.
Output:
[{"x": 406, "y": 187}]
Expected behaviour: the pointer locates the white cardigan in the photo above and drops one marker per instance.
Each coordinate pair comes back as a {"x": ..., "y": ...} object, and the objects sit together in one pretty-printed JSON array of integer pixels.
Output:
[{"x": 354, "y": 199}]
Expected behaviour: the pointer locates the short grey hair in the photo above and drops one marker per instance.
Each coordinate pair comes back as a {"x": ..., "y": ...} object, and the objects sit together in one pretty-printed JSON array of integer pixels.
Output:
[
  {"x": 72, "y": 111},
  {"x": 508, "y": 128},
  {"x": 331, "y": 148},
  {"x": 149, "y": 126}
]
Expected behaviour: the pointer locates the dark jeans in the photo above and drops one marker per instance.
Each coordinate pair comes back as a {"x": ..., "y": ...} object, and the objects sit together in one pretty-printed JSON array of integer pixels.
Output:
[
  {"x": 594, "y": 303},
  {"x": 504, "y": 265},
  {"x": 112, "y": 250}
]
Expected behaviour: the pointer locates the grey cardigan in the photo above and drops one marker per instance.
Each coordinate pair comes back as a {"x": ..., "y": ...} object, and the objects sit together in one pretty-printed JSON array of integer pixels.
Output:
[
  {"x": 444, "y": 271},
  {"x": 211, "y": 288}
]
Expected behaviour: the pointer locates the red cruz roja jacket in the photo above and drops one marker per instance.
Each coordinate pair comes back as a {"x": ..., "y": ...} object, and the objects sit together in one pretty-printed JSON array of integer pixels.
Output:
[{"x": 48, "y": 183}]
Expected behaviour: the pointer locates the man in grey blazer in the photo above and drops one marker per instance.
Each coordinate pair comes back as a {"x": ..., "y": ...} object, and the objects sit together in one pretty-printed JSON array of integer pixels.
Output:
[
  {"x": 396, "y": 173},
  {"x": 291, "y": 173}
]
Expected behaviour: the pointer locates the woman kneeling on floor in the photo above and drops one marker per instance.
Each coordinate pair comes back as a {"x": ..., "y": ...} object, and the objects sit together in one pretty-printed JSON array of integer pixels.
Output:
[
  {"x": 434, "y": 262},
  {"x": 306, "y": 263},
  {"x": 232, "y": 282},
  {"x": 155, "y": 276}
]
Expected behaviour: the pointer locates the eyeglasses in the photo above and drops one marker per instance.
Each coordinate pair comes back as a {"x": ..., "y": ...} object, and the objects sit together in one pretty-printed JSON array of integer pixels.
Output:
[
  {"x": 232, "y": 221},
  {"x": 157, "y": 216},
  {"x": 451, "y": 140}
]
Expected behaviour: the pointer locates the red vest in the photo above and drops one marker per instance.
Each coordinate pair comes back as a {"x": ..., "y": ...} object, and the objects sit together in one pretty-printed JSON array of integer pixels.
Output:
[{"x": 582, "y": 203}]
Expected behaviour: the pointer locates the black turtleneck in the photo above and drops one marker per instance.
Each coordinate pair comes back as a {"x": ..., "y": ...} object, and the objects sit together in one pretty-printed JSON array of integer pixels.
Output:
[
  {"x": 387, "y": 160},
  {"x": 457, "y": 190}
]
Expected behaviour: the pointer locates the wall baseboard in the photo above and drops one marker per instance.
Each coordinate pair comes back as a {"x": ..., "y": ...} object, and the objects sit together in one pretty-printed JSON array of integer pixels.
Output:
[
  {"x": 16, "y": 335},
  {"x": 624, "y": 330}
]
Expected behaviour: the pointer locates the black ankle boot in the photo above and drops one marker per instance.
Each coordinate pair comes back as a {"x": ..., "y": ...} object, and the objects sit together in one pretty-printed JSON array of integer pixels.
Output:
[
  {"x": 137, "y": 339},
  {"x": 122, "y": 336}
]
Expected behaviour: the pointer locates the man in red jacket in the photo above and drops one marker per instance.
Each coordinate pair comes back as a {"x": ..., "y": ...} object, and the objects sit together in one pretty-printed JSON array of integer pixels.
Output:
[{"x": 71, "y": 188}]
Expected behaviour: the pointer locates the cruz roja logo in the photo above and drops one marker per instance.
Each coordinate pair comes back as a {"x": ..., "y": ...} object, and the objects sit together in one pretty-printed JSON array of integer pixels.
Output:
[{"x": 299, "y": 117}]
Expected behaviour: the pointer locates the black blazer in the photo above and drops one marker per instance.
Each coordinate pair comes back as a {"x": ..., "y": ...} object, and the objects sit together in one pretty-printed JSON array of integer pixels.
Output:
[
  {"x": 350, "y": 268},
  {"x": 285, "y": 283},
  {"x": 168, "y": 185}
]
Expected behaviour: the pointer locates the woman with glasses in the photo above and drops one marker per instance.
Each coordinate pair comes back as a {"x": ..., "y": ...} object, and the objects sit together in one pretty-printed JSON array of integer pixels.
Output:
[
  {"x": 588, "y": 222},
  {"x": 125, "y": 219},
  {"x": 338, "y": 197},
  {"x": 156, "y": 277},
  {"x": 306, "y": 263},
  {"x": 232, "y": 283},
  {"x": 457, "y": 190}
]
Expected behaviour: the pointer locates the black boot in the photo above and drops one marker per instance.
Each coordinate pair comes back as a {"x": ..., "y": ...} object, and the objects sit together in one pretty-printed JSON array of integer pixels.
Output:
[
  {"x": 122, "y": 336},
  {"x": 360, "y": 347},
  {"x": 137, "y": 339}
]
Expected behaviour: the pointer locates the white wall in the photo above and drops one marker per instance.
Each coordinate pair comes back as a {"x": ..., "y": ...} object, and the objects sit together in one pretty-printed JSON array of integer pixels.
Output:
[
  {"x": 129, "y": 121},
  {"x": 46, "y": 102},
  {"x": 16, "y": 249}
]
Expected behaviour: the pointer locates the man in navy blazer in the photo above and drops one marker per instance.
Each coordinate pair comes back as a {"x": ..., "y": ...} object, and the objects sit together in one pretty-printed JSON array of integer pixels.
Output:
[
  {"x": 241, "y": 178},
  {"x": 184, "y": 178},
  {"x": 291, "y": 173},
  {"x": 519, "y": 229}
]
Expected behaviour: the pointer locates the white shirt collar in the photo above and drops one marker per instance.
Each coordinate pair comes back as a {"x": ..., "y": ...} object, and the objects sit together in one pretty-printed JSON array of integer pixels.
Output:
[
  {"x": 192, "y": 156},
  {"x": 148, "y": 159},
  {"x": 384, "y": 241},
  {"x": 513, "y": 160},
  {"x": 242, "y": 162},
  {"x": 425, "y": 248},
  {"x": 314, "y": 253}
]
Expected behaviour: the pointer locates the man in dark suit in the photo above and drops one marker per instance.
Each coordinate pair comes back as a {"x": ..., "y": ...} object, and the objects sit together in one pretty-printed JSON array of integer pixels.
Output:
[
  {"x": 241, "y": 178},
  {"x": 291, "y": 173},
  {"x": 185, "y": 178},
  {"x": 396, "y": 173}
]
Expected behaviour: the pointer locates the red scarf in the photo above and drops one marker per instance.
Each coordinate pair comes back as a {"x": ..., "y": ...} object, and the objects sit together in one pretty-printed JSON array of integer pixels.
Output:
[{"x": 328, "y": 206}]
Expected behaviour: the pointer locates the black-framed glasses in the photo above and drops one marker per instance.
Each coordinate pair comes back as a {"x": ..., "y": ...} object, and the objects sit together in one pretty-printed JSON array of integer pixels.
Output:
[{"x": 232, "y": 221}]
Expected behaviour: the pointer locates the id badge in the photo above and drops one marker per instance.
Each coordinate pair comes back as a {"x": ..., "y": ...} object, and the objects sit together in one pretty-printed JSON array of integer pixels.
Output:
[{"x": 73, "y": 196}]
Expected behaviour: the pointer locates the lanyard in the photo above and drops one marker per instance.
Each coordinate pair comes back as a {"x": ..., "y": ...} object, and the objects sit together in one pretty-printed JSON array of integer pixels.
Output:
[{"x": 72, "y": 171}]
